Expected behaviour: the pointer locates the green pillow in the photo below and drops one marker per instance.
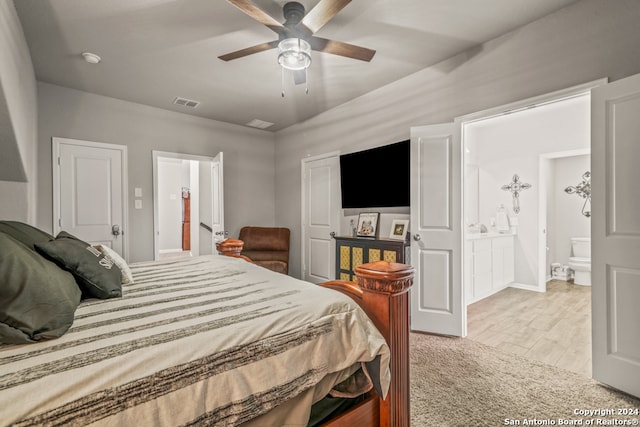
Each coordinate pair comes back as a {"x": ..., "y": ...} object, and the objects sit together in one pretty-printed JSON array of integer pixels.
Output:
[
  {"x": 96, "y": 275},
  {"x": 25, "y": 233},
  {"x": 37, "y": 299}
]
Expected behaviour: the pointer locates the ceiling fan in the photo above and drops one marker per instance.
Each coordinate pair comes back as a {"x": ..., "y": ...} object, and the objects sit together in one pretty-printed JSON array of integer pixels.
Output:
[{"x": 296, "y": 39}]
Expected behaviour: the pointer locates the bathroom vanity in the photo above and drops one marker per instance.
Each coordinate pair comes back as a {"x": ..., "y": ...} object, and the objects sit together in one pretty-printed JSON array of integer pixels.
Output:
[{"x": 489, "y": 264}]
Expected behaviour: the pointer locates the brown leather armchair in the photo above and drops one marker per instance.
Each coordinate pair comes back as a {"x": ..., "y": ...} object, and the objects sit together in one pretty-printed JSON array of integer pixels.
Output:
[{"x": 267, "y": 247}]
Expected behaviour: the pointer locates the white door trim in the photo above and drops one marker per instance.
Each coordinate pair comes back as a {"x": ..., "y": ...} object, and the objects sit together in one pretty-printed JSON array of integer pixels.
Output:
[
  {"x": 55, "y": 159},
  {"x": 525, "y": 104},
  {"x": 303, "y": 170}
]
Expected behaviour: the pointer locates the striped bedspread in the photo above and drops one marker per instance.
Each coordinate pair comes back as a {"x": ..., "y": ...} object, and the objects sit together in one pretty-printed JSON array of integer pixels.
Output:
[{"x": 203, "y": 341}]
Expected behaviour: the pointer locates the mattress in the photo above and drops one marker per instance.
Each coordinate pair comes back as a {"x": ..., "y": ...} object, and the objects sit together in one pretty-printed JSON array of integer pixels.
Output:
[{"x": 208, "y": 340}]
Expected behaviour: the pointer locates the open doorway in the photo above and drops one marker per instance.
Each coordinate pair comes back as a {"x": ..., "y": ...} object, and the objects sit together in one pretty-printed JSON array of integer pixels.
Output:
[
  {"x": 509, "y": 171},
  {"x": 188, "y": 204},
  {"x": 565, "y": 202}
]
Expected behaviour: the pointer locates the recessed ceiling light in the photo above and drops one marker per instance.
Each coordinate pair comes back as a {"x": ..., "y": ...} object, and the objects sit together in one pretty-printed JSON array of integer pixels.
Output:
[
  {"x": 260, "y": 124},
  {"x": 91, "y": 58}
]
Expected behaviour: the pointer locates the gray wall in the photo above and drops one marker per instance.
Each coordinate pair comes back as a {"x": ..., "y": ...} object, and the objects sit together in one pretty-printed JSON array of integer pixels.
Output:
[
  {"x": 18, "y": 120},
  {"x": 588, "y": 40},
  {"x": 248, "y": 156}
]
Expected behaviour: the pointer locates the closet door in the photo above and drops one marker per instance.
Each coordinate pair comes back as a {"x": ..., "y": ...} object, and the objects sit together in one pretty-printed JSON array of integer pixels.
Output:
[
  {"x": 320, "y": 216},
  {"x": 89, "y": 191}
]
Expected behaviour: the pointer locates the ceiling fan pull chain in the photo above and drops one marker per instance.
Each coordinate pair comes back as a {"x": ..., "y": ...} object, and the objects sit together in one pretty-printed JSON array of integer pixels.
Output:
[
  {"x": 282, "y": 80},
  {"x": 306, "y": 81}
]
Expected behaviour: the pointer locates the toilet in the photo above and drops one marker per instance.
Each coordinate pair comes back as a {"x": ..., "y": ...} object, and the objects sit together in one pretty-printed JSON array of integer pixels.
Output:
[{"x": 580, "y": 262}]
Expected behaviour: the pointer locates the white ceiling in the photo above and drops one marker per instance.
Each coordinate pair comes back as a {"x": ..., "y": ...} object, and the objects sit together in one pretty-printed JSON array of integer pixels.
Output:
[{"x": 156, "y": 50}]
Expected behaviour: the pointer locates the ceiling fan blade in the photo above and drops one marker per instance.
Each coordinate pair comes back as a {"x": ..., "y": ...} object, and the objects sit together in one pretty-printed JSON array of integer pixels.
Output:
[
  {"x": 341, "y": 48},
  {"x": 299, "y": 77},
  {"x": 259, "y": 15},
  {"x": 249, "y": 50},
  {"x": 321, "y": 13}
]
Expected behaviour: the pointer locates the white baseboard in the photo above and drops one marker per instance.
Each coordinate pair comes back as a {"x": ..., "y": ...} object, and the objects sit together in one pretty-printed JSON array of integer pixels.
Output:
[
  {"x": 494, "y": 291},
  {"x": 510, "y": 285},
  {"x": 525, "y": 287}
]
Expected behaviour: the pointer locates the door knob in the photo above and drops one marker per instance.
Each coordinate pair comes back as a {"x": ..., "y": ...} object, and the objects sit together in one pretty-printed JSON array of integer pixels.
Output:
[
  {"x": 115, "y": 230},
  {"x": 417, "y": 237},
  {"x": 332, "y": 234}
]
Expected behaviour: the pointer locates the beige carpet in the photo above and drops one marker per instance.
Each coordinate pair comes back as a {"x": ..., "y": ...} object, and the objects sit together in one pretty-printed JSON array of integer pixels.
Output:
[{"x": 459, "y": 382}]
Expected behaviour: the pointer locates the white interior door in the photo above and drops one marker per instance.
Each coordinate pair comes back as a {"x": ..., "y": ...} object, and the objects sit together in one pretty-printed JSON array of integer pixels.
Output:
[
  {"x": 436, "y": 250},
  {"x": 90, "y": 191},
  {"x": 320, "y": 216},
  {"x": 205, "y": 209},
  {"x": 217, "y": 192},
  {"x": 615, "y": 234}
]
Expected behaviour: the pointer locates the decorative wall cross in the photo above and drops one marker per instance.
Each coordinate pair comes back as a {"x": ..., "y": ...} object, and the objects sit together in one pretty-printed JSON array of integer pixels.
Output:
[
  {"x": 516, "y": 186},
  {"x": 583, "y": 190}
]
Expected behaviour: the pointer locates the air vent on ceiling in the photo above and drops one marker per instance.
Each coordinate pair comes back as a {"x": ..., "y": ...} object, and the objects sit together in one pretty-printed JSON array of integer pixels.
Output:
[
  {"x": 186, "y": 102},
  {"x": 260, "y": 124}
]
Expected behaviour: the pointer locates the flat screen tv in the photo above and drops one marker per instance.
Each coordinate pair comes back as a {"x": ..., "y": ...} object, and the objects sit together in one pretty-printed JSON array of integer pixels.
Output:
[{"x": 376, "y": 178}]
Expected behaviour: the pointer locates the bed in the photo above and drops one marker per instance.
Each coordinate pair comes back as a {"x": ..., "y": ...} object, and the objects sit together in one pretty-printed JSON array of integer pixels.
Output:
[{"x": 215, "y": 340}]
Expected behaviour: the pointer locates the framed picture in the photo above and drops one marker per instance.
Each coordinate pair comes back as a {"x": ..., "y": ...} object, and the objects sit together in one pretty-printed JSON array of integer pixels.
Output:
[
  {"x": 399, "y": 229},
  {"x": 367, "y": 224}
]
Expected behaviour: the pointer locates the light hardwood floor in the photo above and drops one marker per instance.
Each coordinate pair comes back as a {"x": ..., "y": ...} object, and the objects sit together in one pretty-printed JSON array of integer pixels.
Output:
[{"x": 552, "y": 327}]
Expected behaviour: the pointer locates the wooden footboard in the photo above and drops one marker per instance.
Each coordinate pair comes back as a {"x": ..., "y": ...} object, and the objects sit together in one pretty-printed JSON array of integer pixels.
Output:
[{"x": 382, "y": 292}]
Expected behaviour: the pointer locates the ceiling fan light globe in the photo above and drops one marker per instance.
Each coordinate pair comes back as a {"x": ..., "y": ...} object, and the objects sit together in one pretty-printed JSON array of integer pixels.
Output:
[{"x": 294, "y": 54}]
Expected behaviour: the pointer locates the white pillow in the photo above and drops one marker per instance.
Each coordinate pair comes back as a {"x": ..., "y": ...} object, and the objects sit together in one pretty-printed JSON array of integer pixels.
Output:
[{"x": 127, "y": 277}]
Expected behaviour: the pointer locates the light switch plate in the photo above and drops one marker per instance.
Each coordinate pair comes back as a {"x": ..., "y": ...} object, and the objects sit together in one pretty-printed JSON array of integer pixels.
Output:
[
  {"x": 138, "y": 204},
  {"x": 138, "y": 192}
]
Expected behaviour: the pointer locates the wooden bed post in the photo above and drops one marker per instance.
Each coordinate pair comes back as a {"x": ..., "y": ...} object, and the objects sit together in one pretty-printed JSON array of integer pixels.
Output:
[
  {"x": 385, "y": 298},
  {"x": 383, "y": 293},
  {"x": 231, "y": 247}
]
